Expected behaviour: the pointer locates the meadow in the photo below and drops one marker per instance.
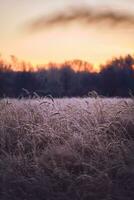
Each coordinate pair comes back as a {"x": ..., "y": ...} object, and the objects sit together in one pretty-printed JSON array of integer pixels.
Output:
[{"x": 67, "y": 149}]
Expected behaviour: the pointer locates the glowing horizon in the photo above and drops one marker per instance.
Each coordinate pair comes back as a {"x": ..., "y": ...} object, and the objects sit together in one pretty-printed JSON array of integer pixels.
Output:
[{"x": 95, "y": 44}]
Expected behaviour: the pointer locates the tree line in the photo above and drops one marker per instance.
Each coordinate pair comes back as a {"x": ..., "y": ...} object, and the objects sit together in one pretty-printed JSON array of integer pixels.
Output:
[{"x": 116, "y": 78}]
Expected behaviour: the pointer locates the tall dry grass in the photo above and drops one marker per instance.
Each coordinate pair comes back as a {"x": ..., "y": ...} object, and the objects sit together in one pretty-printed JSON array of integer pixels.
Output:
[{"x": 67, "y": 149}]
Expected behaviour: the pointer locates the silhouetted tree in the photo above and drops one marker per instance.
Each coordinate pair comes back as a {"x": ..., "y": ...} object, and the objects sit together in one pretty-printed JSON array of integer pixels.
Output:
[
  {"x": 115, "y": 79},
  {"x": 25, "y": 80}
]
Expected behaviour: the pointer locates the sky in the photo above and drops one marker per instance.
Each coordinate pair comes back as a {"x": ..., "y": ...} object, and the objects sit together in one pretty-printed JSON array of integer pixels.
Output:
[{"x": 40, "y": 31}]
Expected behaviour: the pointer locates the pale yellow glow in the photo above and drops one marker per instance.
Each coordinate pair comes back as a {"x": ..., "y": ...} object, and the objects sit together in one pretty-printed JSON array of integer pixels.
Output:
[{"x": 95, "y": 44}]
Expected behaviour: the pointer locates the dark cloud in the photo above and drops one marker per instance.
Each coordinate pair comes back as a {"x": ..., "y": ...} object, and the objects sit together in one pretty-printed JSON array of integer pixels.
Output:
[{"x": 84, "y": 15}]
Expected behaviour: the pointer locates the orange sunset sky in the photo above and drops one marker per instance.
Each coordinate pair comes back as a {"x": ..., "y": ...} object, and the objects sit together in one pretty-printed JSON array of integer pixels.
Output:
[{"x": 44, "y": 42}]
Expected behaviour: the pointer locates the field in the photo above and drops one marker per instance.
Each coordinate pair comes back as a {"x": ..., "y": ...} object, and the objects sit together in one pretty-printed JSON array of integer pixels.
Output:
[{"x": 67, "y": 149}]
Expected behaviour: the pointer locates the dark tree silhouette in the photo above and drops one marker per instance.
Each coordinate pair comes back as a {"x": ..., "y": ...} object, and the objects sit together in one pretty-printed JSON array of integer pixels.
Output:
[{"x": 115, "y": 79}]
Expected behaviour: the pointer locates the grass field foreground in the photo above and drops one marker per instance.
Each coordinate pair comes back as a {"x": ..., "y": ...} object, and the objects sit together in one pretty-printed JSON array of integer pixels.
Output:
[{"x": 67, "y": 149}]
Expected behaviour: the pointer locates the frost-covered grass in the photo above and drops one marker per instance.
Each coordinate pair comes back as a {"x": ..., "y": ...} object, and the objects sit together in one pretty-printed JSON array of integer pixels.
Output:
[{"x": 67, "y": 149}]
